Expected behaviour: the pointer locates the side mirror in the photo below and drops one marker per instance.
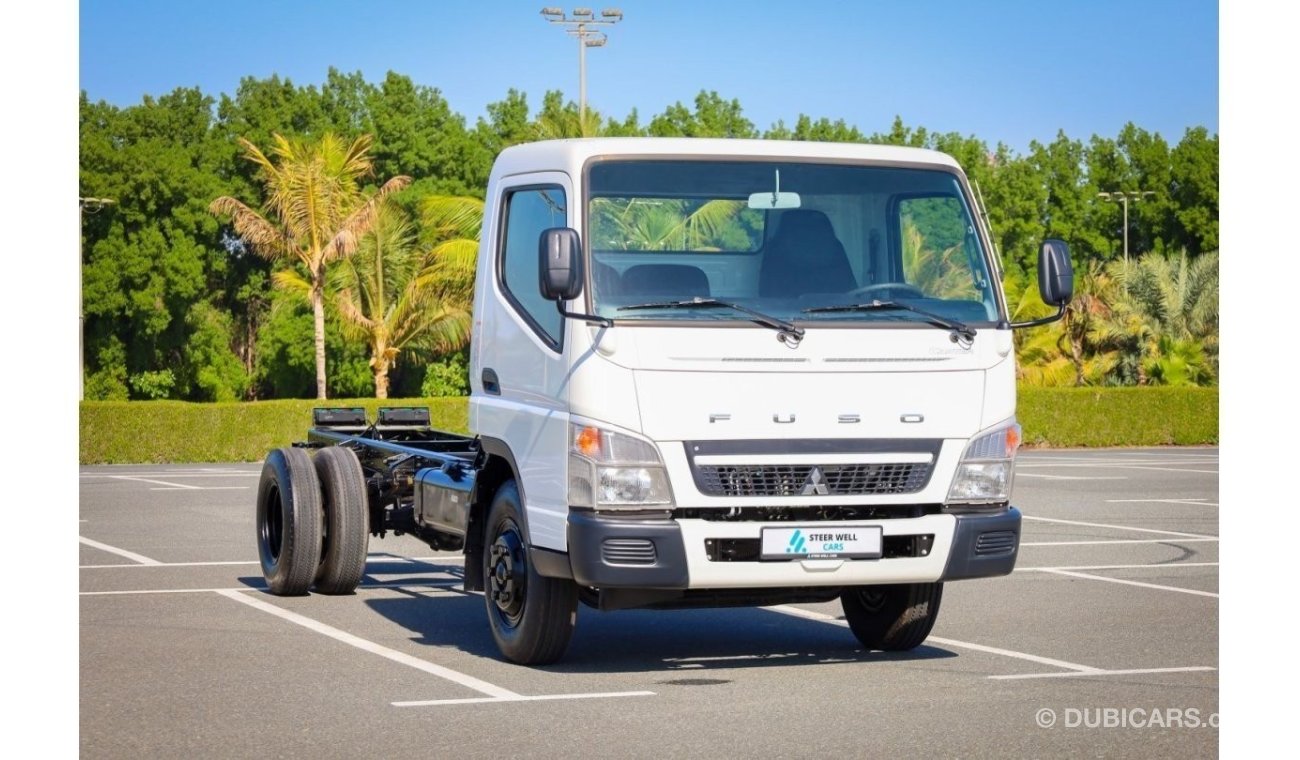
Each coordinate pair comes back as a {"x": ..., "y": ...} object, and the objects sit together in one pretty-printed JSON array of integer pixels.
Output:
[
  {"x": 1055, "y": 273},
  {"x": 1055, "y": 281},
  {"x": 560, "y": 264}
]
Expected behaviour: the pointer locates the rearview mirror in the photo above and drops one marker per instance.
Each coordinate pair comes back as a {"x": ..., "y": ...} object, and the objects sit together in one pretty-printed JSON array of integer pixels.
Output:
[
  {"x": 768, "y": 201},
  {"x": 1055, "y": 273},
  {"x": 560, "y": 264},
  {"x": 775, "y": 199}
]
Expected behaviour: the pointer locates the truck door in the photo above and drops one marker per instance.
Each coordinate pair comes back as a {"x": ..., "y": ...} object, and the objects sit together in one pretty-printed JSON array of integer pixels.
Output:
[{"x": 518, "y": 372}]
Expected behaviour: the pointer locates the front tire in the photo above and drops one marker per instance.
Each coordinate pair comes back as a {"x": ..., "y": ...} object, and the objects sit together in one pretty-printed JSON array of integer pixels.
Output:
[
  {"x": 347, "y": 521},
  {"x": 532, "y": 617},
  {"x": 288, "y": 521},
  {"x": 892, "y": 618}
]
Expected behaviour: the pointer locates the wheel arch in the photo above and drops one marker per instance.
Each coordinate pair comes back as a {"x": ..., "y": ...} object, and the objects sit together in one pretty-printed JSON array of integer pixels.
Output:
[{"x": 498, "y": 468}]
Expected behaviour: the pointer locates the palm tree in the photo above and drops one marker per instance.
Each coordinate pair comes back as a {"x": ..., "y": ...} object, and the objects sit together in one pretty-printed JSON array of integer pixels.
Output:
[
  {"x": 1165, "y": 317},
  {"x": 397, "y": 298},
  {"x": 313, "y": 194},
  {"x": 655, "y": 225},
  {"x": 1072, "y": 351},
  {"x": 569, "y": 123},
  {"x": 941, "y": 274},
  {"x": 451, "y": 225}
]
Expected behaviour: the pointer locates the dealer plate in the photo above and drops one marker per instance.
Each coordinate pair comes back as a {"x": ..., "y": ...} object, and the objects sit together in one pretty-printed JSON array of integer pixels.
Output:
[{"x": 823, "y": 542}]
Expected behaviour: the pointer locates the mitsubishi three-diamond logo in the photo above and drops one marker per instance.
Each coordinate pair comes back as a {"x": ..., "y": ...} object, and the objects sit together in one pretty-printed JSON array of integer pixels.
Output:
[{"x": 815, "y": 484}]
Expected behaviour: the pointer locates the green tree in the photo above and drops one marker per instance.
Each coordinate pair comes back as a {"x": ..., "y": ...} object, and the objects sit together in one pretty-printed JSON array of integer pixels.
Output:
[
  {"x": 211, "y": 371},
  {"x": 312, "y": 194},
  {"x": 821, "y": 130},
  {"x": 156, "y": 252},
  {"x": 712, "y": 117},
  {"x": 397, "y": 299},
  {"x": 1194, "y": 191}
]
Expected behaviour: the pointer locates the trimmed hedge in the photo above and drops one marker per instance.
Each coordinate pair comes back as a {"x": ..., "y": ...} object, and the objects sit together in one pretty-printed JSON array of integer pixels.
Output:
[
  {"x": 1118, "y": 416},
  {"x": 121, "y": 432}
]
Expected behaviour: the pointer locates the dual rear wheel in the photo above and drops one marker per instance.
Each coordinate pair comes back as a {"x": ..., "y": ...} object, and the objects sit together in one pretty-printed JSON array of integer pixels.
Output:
[{"x": 313, "y": 525}]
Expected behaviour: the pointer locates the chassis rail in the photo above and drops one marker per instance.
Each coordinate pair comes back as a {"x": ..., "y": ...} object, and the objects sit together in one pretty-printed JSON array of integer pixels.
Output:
[{"x": 418, "y": 480}]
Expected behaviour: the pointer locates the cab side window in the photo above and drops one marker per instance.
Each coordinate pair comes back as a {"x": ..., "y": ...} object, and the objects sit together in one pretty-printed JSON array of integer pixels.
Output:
[{"x": 528, "y": 212}]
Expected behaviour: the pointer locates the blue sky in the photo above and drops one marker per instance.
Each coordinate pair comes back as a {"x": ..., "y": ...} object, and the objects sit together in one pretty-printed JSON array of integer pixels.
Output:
[{"x": 1003, "y": 70}]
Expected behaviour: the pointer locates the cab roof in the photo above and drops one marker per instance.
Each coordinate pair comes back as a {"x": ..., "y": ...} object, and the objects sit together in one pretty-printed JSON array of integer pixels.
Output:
[{"x": 570, "y": 155}]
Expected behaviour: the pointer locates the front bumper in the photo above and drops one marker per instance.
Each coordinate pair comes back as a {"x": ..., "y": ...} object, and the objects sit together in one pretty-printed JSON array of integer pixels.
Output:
[{"x": 614, "y": 552}]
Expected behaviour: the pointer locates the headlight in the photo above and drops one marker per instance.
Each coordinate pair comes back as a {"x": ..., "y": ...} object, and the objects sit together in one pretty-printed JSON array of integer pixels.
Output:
[
  {"x": 987, "y": 467},
  {"x": 614, "y": 470}
]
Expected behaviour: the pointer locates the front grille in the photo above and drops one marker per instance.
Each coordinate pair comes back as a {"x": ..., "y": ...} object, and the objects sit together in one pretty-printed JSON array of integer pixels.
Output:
[
  {"x": 807, "y": 513},
  {"x": 627, "y": 551},
  {"x": 810, "y": 480},
  {"x": 996, "y": 542}
]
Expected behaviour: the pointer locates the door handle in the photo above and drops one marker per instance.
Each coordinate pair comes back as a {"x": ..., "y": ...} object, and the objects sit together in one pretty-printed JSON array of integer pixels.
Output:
[{"x": 491, "y": 385}]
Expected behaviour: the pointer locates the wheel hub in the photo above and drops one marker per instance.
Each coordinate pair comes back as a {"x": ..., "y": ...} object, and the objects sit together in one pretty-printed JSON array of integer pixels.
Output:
[{"x": 507, "y": 574}]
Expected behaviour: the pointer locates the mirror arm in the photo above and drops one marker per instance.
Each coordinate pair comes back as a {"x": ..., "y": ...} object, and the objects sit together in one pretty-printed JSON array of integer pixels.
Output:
[
  {"x": 1044, "y": 321},
  {"x": 602, "y": 321}
]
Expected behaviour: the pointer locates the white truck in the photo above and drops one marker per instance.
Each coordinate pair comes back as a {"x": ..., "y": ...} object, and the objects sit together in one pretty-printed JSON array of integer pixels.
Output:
[{"x": 704, "y": 373}]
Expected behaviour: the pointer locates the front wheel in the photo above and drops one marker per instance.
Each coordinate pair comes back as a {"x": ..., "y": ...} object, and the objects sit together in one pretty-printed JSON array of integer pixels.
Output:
[
  {"x": 892, "y": 618},
  {"x": 531, "y": 616}
]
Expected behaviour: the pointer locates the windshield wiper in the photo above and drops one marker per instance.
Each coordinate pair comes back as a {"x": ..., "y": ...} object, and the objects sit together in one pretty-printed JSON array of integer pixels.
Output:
[
  {"x": 789, "y": 333},
  {"x": 959, "y": 329}
]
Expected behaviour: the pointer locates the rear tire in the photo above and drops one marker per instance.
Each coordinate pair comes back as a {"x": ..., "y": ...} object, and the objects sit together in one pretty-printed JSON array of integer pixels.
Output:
[
  {"x": 288, "y": 521},
  {"x": 531, "y": 616},
  {"x": 892, "y": 618},
  {"x": 346, "y": 534}
]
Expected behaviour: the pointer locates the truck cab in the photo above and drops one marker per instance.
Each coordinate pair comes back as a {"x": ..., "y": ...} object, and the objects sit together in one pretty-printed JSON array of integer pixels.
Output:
[{"x": 739, "y": 372}]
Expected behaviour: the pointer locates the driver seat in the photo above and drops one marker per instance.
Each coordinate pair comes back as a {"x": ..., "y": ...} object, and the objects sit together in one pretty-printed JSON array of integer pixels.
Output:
[{"x": 804, "y": 256}]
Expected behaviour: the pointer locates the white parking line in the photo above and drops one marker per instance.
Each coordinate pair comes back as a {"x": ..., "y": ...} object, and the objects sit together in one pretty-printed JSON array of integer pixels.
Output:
[
  {"x": 456, "y": 677},
  {"x": 1127, "y": 582},
  {"x": 1168, "y": 469},
  {"x": 203, "y": 488},
  {"x": 142, "y": 591},
  {"x": 174, "y": 486},
  {"x": 786, "y": 609},
  {"x": 1119, "y": 541},
  {"x": 373, "y": 558},
  {"x": 1133, "y": 671},
  {"x": 1091, "y": 462},
  {"x": 1116, "y": 527},
  {"x": 521, "y": 698},
  {"x": 143, "y": 560},
  {"x": 1115, "y": 567},
  {"x": 1070, "y": 477},
  {"x": 1189, "y": 502},
  {"x": 1072, "y": 669},
  {"x": 170, "y": 564},
  {"x": 494, "y": 693}
]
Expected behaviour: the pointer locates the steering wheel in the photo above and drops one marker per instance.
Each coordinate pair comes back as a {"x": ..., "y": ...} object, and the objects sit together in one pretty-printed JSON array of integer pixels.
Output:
[{"x": 876, "y": 287}]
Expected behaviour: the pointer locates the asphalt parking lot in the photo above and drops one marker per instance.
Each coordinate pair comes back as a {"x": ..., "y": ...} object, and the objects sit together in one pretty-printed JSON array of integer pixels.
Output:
[{"x": 1103, "y": 642}]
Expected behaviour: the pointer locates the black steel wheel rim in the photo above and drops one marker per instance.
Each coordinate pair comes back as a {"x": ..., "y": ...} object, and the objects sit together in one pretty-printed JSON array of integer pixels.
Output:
[
  {"x": 507, "y": 571},
  {"x": 271, "y": 531}
]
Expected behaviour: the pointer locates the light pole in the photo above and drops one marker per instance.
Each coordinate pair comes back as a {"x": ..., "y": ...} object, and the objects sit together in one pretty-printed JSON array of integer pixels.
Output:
[
  {"x": 1123, "y": 197},
  {"x": 578, "y": 26},
  {"x": 84, "y": 206}
]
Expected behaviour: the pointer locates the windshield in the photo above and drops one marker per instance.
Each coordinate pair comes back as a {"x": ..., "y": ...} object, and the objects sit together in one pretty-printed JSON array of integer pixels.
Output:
[{"x": 782, "y": 238}]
